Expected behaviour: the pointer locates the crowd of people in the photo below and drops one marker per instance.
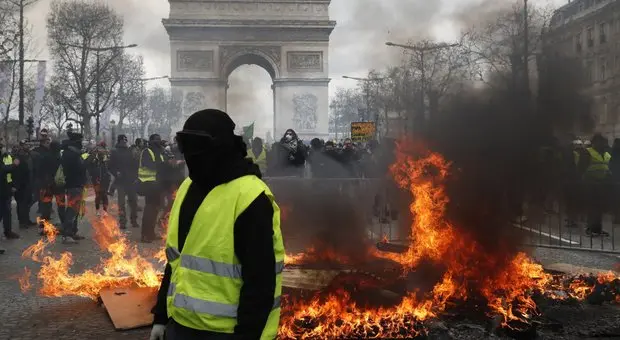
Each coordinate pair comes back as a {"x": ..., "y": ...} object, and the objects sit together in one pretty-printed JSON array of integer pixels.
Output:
[
  {"x": 64, "y": 171},
  {"x": 320, "y": 159}
]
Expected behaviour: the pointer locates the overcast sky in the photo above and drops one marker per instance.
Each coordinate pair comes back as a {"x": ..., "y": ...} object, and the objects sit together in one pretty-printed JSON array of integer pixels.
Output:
[{"x": 357, "y": 43}]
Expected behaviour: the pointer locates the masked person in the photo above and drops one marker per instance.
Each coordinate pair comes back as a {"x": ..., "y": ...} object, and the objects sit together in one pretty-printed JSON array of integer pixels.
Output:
[
  {"x": 7, "y": 190},
  {"x": 124, "y": 167},
  {"x": 288, "y": 156},
  {"x": 98, "y": 166},
  {"x": 224, "y": 246},
  {"x": 149, "y": 174},
  {"x": 74, "y": 170}
]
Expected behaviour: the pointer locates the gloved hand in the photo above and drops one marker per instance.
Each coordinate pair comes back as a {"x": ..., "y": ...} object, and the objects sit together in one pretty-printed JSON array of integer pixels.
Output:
[{"x": 157, "y": 332}]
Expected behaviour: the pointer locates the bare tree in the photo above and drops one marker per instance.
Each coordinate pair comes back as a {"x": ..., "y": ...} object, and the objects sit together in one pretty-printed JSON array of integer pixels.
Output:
[
  {"x": 76, "y": 29},
  {"x": 130, "y": 98},
  {"x": 344, "y": 109},
  {"x": 9, "y": 28},
  {"x": 57, "y": 114}
]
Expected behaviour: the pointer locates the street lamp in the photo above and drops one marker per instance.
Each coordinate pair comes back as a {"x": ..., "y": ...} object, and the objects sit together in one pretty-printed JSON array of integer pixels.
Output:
[
  {"x": 97, "y": 51},
  {"x": 421, "y": 50}
]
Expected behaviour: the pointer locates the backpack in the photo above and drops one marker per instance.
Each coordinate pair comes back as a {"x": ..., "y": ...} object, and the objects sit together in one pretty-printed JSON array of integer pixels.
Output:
[{"x": 59, "y": 178}]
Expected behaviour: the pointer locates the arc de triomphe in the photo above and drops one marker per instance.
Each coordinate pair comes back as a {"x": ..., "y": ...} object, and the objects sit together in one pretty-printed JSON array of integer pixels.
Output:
[{"x": 288, "y": 38}]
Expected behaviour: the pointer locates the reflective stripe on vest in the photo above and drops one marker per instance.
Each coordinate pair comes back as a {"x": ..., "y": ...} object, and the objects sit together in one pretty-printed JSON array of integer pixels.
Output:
[
  {"x": 599, "y": 165},
  {"x": 145, "y": 174},
  {"x": 206, "y": 280},
  {"x": 8, "y": 160},
  {"x": 261, "y": 160}
]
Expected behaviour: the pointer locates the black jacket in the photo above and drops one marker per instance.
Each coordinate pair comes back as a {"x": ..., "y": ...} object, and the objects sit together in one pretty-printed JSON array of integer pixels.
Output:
[
  {"x": 253, "y": 241},
  {"x": 73, "y": 167},
  {"x": 21, "y": 174},
  {"x": 123, "y": 165},
  {"x": 45, "y": 163}
]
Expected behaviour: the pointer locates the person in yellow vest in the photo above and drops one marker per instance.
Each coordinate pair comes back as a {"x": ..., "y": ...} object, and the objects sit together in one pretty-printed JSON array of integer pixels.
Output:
[
  {"x": 597, "y": 182},
  {"x": 149, "y": 165},
  {"x": 9, "y": 164},
  {"x": 224, "y": 246},
  {"x": 258, "y": 154}
]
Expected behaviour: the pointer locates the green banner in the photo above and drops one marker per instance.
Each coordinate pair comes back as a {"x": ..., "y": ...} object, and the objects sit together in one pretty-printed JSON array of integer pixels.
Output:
[{"x": 248, "y": 132}]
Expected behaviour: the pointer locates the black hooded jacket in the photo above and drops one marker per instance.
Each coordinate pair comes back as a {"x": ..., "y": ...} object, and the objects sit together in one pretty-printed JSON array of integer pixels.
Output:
[
  {"x": 73, "y": 165},
  {"x": 253, "y": 242}
]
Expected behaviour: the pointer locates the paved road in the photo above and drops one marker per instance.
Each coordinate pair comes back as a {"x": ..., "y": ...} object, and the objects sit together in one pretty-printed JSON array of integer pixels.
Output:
[{"x": 33, "y": 317}]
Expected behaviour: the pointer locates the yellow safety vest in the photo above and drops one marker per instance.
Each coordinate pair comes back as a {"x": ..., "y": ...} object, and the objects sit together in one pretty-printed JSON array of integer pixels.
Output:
[
  {"x": 261, "y": 160},
  {"x": 85, "y": 155},
  {"x": 206, "y": 275},
  {"x": 146, "y": 174},
  {"x": 599, "y": 165},
  {"x": 8, "y": 160}
]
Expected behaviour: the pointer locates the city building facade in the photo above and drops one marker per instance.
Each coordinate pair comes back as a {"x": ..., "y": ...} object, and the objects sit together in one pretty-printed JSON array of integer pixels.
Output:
[{"x": 589, "y": 30}]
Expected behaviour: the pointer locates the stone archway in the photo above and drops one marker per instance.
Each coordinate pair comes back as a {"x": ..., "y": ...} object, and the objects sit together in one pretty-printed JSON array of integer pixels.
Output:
[{"x": 211, "y": 38}]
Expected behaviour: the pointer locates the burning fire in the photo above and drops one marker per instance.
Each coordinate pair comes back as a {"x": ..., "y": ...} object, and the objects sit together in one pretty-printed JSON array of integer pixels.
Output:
[
  {"x": 469, "y": 272},
  {"x": 124, "y": 265}
]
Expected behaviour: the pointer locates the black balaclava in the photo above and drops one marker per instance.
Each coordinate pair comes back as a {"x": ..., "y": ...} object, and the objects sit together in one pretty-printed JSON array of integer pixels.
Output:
[{"x": 218, "y": 162}]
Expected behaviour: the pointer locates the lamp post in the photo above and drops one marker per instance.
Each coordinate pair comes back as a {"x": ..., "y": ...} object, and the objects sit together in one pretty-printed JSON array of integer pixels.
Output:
[
  {"x": 112, "y": 132},
  {"x": 421, "y": 51},
  {"x": 97, "y": 51},
  {"x": 367, "y": 82}
]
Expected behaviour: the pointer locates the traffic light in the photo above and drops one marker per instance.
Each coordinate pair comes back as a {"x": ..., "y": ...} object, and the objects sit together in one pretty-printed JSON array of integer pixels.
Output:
[{"x": 30, "y": 126}]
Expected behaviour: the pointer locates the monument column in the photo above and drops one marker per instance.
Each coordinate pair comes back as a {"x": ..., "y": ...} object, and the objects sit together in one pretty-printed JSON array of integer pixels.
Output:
[{"x": 301, "y": 105}]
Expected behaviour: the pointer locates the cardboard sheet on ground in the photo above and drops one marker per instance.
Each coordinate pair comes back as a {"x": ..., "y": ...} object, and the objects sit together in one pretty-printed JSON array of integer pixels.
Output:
[{"x": 129, "y": 308}]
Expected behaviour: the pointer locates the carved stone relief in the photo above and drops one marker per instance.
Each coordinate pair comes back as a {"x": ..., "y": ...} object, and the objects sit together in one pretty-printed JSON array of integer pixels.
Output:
[
  {"x": 305, "y": 61},
  {"x": 305, "y": 112},
  {"x": 229, "y": 52},
  {"x": 195, "y": 61},
  {"x": 194, "y": 101}
]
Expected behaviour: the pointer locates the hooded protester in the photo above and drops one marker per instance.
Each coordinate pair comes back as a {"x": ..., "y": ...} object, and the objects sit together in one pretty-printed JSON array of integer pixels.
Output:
[
  {"x": 74, "y": 169},
  {"x": 288, "y": 157},
  {"x": 124, "y": 167},
  {"x": 225, "y": 215}
]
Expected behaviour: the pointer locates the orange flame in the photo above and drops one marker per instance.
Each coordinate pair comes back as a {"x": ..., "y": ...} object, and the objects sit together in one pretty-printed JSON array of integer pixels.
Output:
[{"x": 124, "y": 265}]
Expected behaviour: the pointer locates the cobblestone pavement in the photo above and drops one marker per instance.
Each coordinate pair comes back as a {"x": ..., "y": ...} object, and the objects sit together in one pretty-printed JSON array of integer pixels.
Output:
[{"x": 28, "y": 316}]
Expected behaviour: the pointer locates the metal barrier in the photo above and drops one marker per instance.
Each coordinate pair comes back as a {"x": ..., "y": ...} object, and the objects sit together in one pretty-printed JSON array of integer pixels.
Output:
[{"x": 555, "y": 228}]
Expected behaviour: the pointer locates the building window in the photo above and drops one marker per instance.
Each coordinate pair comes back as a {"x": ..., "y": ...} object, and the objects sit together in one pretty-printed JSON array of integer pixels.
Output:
[
  {"x": 602, "y": 33},
  {"x": 602, "y": 69},
  {"x": 578, "y": 43},
  {"x": 590, "y": 36}
]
